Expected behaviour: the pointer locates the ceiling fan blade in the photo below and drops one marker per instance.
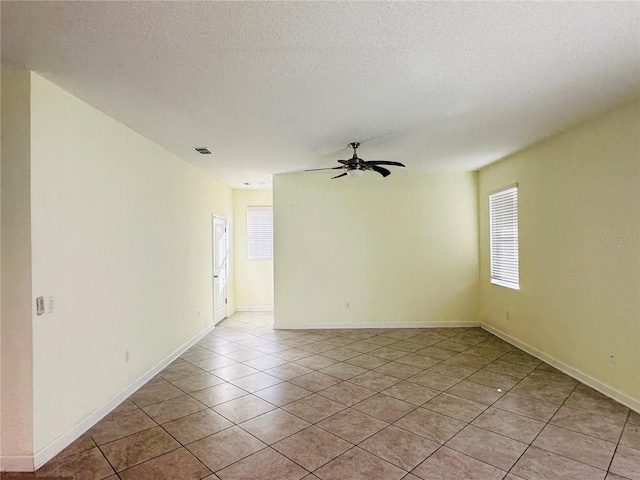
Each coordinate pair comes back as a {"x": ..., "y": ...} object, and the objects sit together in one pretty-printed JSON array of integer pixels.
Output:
[
  {"x": 344, "y": 162},
  {"x": 338, "y": 176},
  {"x": 383, "y": 162},
  {"x": 382, "y": 171},
  {"x": 330, "y": 168}
]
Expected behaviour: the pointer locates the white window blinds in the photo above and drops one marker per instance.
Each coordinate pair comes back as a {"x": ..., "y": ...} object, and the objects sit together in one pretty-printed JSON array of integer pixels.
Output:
[
  {"x": 503, "y": 225},
  {"x": 260, "y": 233}
]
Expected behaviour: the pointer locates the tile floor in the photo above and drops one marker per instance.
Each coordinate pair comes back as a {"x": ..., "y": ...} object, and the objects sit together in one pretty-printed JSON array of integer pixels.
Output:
[{"x": 249, "y": 402}]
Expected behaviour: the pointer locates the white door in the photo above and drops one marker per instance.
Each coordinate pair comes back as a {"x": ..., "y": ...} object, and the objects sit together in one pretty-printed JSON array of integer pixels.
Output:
[{"x": 220, "y": 268}]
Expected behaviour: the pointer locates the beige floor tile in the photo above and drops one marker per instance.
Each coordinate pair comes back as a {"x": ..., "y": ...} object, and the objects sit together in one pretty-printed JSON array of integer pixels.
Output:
[
  {"x": 84, "y": 442},
  {"x": 218, "y": 394},
  {"x": 631, "y": 436},
  {"x": 282, "y": 393},
  {"x": 265, "y": 362},
  {"x": 476, "y": 392},
  {"x": 314, "y": 408},
  {"x": 465, "y": 358},
  {"x": 577, "y": 446},
  {"x": 411, "y": 392},
  {"x": 418, "y": 361},
  {"x": 388, "y": 353},
  {"x": 175, "y": 372},
  {"x": 367, "y": 361},
  {"x": 541, "y": 390},
  {"x": 174, "y": 408},
  {"x": 197, "y": 382},
  {"x": 352, "y": 425},
  {"x": 244, "y": 408},
  {"x": 384, "y": 407},
  {"x": 343, "y": 371},
  {"x": 538, "y": 464},
  {"x": 454, "y": 369},
  {"x": 347, "y": 393},
  {"x": 312, "y": 447},
  {"x": 235, "y": 371},
  {"x": 634, "y": 418},
  {"x": 593, "y": 402},
  {"x": 435, "y": 352},
  {"x": 87, "y": 465},
  {"x": 176, "y": 464},
  {"x": 511, "y": 369},
  {"x": 137, "y": 448},
  {"x": 447, "y": 464},
  {"x": 626, "y": 462},
  {"x": 114, "y": 427},
  {"x": 497, "y": 450},
  {"x": 293, "y": 354},
  {"x": 400, "y": 447},
  {"x": 315, "y": 362},
  {"x": 456, "y": 407},
  {"x": 224, "y": 448},
  {"x": 126, "y": 406},
  {"x": 314, "y": 381},
  {"x": 266, "y": 464},
  {"x": 509, "y": 424},
  {"x": 374, "y": 381},
  {"x": 613, "y": 476},
  {"x": 273, "y": 426},
  {"x": 214, "y": 363},
  {"x": 588, "y": 423},
  {"x": 526, "y": 406},
  {"x": 435, "y": 380},
  {"x": 434, "y": 426},
  {"x": 256, "y": 381},
  {"x": 196, "y": 426},
  {"x": 519, "y": 357},
  {"x": 288, "y": 371},
  {"x": 155, "y": 394},
  {"x": 451, "y": 345},
  {"x": 493, "y": 379},
  {"x": 356, "y": 464},
  {"x": 398, "y": 370}
]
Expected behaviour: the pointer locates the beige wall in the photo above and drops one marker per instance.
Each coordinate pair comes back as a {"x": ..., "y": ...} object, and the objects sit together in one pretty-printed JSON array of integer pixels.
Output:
[
  {"x": 401, "y": 249},
  {"x": 253, "y": 278},
  {"x": 121, "y": 233},
  {"x": 16, "y": 352},
  {"x": 580, "y": 296}
]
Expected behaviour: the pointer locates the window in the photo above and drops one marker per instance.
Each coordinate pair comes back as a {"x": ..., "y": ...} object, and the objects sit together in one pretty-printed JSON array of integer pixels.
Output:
[
  {"x": 260, "y": 233},
  {"x": 503, "y": 228}
]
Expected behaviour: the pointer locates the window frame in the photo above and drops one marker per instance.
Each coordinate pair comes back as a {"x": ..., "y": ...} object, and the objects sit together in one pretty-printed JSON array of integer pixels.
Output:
[{"x": 514, "y": 281}]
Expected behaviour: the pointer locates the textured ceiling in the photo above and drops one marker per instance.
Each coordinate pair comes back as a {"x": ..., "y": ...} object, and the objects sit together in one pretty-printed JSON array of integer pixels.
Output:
[{"x": 276, "y": 87}]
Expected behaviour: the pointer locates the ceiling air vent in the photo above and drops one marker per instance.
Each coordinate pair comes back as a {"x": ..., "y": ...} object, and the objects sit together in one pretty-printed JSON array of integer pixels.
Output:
[{"x": 203, "y": 150}]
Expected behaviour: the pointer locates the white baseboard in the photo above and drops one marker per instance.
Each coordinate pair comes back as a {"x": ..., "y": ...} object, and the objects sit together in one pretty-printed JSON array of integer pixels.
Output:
[
  {"x": 255, "y": 308},
  {"x": 322, "y": 326},
  {"x": 610, "y": 392},
  {"x": 42, "y": 456}
]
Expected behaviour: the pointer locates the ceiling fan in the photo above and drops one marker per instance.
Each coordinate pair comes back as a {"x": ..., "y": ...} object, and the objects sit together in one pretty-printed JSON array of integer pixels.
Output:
[{"x": 355, "y": 166}]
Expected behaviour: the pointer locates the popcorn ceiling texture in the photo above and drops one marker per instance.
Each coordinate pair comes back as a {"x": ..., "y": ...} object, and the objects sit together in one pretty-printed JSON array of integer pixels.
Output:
[{"x": 276, "y": 87}]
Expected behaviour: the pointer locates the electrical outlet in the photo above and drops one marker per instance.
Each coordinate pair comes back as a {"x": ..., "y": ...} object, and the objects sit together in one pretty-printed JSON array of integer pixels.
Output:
[
  {"x": 198, "y": 313},
  {"x": 612, "y": 357},
  {"x": 507, "y": 316},
  {"x": 347, "y": 306},
  {"x": 126, "y": 356}
]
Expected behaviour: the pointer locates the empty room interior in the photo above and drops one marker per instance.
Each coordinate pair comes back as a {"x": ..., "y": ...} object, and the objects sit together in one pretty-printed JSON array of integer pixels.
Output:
[{"x": 320, "y": 240}]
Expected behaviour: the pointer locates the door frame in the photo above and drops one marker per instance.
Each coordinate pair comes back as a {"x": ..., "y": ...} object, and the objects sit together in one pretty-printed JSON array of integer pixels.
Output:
[{"x": 213, "y": 257}]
